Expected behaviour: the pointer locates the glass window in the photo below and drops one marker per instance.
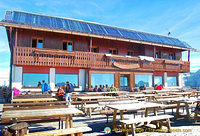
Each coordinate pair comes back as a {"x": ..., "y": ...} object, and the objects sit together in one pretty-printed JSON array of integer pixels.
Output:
[
  {"x": 113, "y": 51},
  {"x": 171, "y": 81},
  {"x": 140, "y": 80},
  {"x": 102, "y": 79},
  {"x": 61, "y": 79},
  {"x": 40, "y": 43},
  {"x": 130, "y": 53},
  {"x": 37, "y": 43},
  {"x": 32, "y": 79},
  {"x": 70, "y": 47},
  {"x": 158, "y": 80}
]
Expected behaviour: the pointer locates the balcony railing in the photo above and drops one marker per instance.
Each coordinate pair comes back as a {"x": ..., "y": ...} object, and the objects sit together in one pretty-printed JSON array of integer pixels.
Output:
[{"x": 60, "y": 58}]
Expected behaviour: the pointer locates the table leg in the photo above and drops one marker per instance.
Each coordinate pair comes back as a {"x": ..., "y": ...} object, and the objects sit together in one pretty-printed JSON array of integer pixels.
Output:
[
  {"x": 70, "y": 121},
  {"x": 146, "y": 112},
  {"x": 122, "y": 118},
  {"x": 67, "y": 122},
  {"x": 114, "y": 120},
  {"x": 177, "y": 109},
  {"x": 155, "y": 114},
  {"x": 187, "y": 111},
  {"x": 149, "y": 98}
]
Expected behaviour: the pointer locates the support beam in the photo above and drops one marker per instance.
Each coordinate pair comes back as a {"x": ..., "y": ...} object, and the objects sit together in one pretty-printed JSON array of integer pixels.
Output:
[{"x": 90, "y": 44}]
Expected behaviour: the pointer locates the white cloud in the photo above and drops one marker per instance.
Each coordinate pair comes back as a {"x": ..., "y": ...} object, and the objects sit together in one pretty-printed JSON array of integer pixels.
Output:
[
  {"x": 4, "y": 63},
  {"x": 4, "y": 73}
]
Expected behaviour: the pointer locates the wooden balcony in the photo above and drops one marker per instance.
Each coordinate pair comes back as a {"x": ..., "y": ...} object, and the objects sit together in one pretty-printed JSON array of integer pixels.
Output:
[{"x": 60, "y": 58}]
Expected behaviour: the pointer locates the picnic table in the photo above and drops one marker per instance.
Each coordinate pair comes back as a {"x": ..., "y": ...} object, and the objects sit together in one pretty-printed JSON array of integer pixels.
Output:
[
  {"x": 184, "y": 94},
  {"x": 133, "y": 106},
  {"x": 33, "y": 100},
  {"x": 187, "y": 102},
  {"x": 40, "y": 114},
  {"x": 148, "y": 96},
  {"x": 114, "y": 93},
  {"x": 85, "y": 98},
  {"x": 197, "y": 93}
]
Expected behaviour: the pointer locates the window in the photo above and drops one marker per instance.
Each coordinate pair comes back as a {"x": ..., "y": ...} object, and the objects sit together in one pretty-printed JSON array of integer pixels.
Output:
[
  {"x": 113, "y": 51},
  {"x": 37, "y": 43},
  {"x": 61, "y": 79},
  {"x": 102, "y": 79},
  {"x": 158, "y": 54},
  {"x": 67, "y": 46},
  {"x": 140, "y": 80},
  {"x": 172, "y": 81},
  {"x": 94, "y": 49},
  {"x": 32, "y": 79},
  {"x": 158, "y": 80},
  {"x": 172, "y": 56},
  {"x": 130, "y": 53}
]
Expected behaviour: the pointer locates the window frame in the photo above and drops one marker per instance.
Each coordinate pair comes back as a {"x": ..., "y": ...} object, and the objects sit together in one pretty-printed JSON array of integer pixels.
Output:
[
  {"x": 131, "y": 53},
  {"x": 67, "y": 41},
  {"x": 36, "y": 85},
  {"x": 69, "y": 80},
  {"x": 37, "y": 41},
  {"x": 112, "y": 49},
  {"x": 93, "y": 47},
  {"x": 159, "y": 54},
  {"x": 176, "y": 81}
]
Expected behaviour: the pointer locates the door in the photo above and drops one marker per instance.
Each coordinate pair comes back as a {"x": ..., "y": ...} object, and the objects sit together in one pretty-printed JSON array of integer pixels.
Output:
[{"x": 124, "y": 82}]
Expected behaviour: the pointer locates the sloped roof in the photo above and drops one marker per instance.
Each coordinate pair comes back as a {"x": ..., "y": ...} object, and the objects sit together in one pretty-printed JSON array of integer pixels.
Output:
[{"x": 72, "y": 25}]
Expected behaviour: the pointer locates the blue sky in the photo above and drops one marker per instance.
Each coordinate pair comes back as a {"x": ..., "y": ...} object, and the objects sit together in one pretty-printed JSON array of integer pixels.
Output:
[{"x": 180, "y": 17}]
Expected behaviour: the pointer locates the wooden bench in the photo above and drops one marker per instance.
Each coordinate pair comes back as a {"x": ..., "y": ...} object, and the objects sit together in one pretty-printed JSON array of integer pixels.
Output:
[
  {"x": 159, "y": 121},
  {"x": 36, "y": 104},
  {"x": 29, "y": 96},
  {"x": 196, "y": 113},
  {"x": 89, "y": 108},
  {"x": 62, "y": 132},
  {"x": 34, "y": 107}
]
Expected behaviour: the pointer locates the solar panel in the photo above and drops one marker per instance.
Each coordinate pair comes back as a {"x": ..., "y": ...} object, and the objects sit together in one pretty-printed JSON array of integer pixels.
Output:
[
  {"x": 129, "y": 34},
  {"x": 97, "y": 29},
  {"x": 112, "y": 31},
  {"x": 85, "y": 27}
]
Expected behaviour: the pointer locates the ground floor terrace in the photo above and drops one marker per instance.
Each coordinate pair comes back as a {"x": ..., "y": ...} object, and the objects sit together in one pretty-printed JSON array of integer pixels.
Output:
[{"x": 27, "y": 78}]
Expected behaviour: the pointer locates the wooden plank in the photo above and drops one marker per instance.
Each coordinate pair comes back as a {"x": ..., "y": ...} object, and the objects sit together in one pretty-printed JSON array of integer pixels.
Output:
[
  {"x": 33, "y": 100},
  {"x": 61, "y": 132}
]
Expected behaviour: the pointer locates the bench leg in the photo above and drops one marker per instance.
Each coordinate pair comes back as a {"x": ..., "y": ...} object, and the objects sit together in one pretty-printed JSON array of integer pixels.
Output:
[
  {"x": 114, "y": 119},
  {"x": 195, "y": 117},
  {"x": 67, "y": 122},
  {"x": 169, "y": 126},
  {"x": 107, "y": 118},
  {"x": 70, "y": 122},
  {"x": 133, "y": 129}
]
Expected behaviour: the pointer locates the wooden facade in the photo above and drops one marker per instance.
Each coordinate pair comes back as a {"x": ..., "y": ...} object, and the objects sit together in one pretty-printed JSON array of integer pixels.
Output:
[{"x": 52, "y": 55}]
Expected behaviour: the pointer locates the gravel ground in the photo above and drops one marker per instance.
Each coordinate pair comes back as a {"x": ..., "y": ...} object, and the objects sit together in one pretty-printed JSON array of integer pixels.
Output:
[{"x": 180, "y": 127}]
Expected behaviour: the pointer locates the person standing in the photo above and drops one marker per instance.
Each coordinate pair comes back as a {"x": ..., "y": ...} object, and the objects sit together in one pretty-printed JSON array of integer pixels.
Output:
[
  {"x": 44, "y": 87},
  {"x": 68, "y": 90}
]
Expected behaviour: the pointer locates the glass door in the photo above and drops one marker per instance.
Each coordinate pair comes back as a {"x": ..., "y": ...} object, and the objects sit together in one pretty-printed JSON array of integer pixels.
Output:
[{"x": 124, "y": 82}]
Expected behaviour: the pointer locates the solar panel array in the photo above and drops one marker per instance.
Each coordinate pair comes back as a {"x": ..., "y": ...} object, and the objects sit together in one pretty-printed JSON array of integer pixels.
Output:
[{"x": 90, "y": 28}]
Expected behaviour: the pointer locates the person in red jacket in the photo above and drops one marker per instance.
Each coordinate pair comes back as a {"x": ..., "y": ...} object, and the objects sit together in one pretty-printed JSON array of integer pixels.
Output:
[{"x": 159, "y": 87}]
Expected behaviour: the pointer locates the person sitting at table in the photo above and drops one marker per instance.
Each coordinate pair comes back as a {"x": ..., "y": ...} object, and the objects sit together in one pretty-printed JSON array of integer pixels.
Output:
[
  {"x": 61, "y": 94},
  {"x": 143, "y": 87},
  {"x": 96, "y": 89},
  {"x": 112, "y": 88},
  {"x": 39, "y": 84},
  {"x": 104, "y": 89},
  {"x": 16, "y": 91},
  {"x": 159, "y": 87}
]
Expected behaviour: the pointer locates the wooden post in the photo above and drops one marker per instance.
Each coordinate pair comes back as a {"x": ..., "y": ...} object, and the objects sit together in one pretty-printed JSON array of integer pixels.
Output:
[
  {"x": 16, "y": 31},
  {"x": 90, "y": 44},
  {"x": 188, "y": 55},
  {"x": 154, "y": 52},
  {"x": 114, "y": 119}
]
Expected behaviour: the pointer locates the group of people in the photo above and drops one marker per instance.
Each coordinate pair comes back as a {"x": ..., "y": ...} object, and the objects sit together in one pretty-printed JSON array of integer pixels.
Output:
[
  {"x": 64, "y": 92},
  {"x": 104, "y": 89}
]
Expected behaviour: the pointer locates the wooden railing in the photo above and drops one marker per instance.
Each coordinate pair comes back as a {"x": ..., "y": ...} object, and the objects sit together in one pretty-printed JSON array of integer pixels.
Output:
[{"x": 52, "y": 57}]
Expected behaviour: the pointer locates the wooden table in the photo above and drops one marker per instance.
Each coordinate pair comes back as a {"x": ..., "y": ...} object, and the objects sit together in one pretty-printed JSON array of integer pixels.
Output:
[
  {"x": 85, "y": 98},
  {"x": 41, "y": 114},
  {"x": 33, "y": 100},
  {"x": 149, "y": 96},
  {"x": 186, "y": 102},
  {"x": 134, "y": 106},
  {"x": 184, "y": 94},
  {"x": 197, "y": 93},
  {"x": 108, "y": 93}
]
